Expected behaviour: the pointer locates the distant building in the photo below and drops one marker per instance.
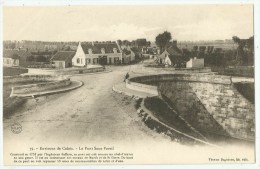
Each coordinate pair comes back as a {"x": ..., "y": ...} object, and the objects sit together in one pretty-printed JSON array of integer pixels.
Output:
[
  {"x": 15, "y": 57},
  {"x": 170, "y": 56},
  {"x": 63, "y": 59},
  {"x": 195, "y": 63},
  {"x": 97, "y": 53},
  {"x": 128, "y": 56},
  {"x": 150, "y": 50}
]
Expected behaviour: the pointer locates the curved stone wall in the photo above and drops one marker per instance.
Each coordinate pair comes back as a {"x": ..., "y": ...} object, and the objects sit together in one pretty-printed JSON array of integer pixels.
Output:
[
  {"x": 31, "y": 78},
  {"x": 142, "y": 87},
  {"x": 209, "y": 102},
  {"x": 171, "y": 70},
  {"x": 40, "y": 83}
]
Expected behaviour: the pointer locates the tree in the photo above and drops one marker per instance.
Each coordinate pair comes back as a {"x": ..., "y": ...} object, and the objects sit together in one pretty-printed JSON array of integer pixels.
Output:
[
  {"x": 250, "y": 45},
  {"x": 126, "y": 42},
  {"x": 30, "y": 58},
  {"x": 15, "y": 56},
  {"x": 202, "y": 50},
  {"x": 40, "y": 58},
  {"x": 119, "y": 42},
  {"x": 133, "y": 43},
  {"x": 240, "y": 49},
  {"x": 148, "y": 43},
  {"x": 141, "y": 42},
  {"x": 162, "y": 40}
]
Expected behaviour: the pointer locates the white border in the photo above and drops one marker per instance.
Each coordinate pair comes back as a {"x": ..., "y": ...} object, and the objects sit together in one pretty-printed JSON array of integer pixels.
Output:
[{"x": 148, "y": 2}]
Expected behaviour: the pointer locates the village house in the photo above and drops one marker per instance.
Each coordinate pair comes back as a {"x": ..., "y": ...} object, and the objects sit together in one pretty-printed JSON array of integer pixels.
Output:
[
  {"x": 97, "y": 53},
  {"x": 195, "y": 63},
  {"x": 128, "y": 56},
  {"x": 62, "y": 59},
  {"x": 15, "y": 57},
  {"x": 170, "y": 57}
]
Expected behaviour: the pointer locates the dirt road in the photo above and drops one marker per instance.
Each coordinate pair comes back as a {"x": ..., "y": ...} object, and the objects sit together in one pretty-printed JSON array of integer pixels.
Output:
[{"x": 93, "y": 113}]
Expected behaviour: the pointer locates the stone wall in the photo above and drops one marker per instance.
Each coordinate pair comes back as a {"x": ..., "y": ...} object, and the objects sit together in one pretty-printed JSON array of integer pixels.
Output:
[
  {"x": 67, "y": 71},
  {"x": 208, "y": 102},
  {"x": 30, "y": 78},
  {"x": 142, "y": 87},
  {"x": 40, "y": 87},
  {"x": 40, "y": 83},
  {"x": 171, "y": 70},
  {"x": 79, "y": 70}
]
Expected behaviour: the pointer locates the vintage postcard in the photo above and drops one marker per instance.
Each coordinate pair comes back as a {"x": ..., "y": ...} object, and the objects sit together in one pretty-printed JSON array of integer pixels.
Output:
[{"x": 128, "y": 84}]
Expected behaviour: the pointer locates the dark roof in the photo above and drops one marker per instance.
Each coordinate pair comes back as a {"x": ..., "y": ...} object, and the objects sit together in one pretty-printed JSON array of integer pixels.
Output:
[
  {"x": 96, "y": 47},
  {"x": 127, "y": 52},
  {"x": 135, "y": 50},
  {"x": 172, "y": 50},
  {"x": 63, "y": 56},
  {"x": 43, "y": 53},
  {"x": 16, "y": 54}
]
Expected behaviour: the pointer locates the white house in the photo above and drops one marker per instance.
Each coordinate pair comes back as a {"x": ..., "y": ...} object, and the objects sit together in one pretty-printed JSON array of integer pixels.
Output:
[
  {"x": 11, "y": 58},
  {"x": 170, "y": 56},
  {"x": 97, "y": 53},
  {"x": 128, "y": 55},
  {"x": 62, "y": 59},
  {"x": 197, "y": 63}
]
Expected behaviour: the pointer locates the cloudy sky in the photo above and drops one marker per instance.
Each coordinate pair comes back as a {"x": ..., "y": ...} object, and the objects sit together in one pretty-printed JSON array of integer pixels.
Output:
[{"x": 101, "y": 23}]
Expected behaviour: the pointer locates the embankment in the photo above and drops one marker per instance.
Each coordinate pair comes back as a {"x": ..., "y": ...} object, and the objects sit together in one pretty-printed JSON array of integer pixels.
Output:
[{"x": 210, "y": 103}]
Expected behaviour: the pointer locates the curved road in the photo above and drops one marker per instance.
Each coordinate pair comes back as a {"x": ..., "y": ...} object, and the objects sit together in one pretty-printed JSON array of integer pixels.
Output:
[{"x": 92, "y": 113}]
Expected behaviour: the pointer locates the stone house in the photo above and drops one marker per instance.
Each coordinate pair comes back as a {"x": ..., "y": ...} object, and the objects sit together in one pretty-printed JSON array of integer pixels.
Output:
[
  {"x": 97, "y": 53},
  {"x": 62, "y": 59},
  {"x": 15, "y": 57},
  {"x": 128, "y": 56},
  {"x": 195, "y": 63},
  {"x": 170, "y": 57}
]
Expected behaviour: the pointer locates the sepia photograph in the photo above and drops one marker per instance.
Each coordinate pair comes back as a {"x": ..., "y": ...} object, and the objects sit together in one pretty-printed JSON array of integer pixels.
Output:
[{"x": 128, "y": 84}]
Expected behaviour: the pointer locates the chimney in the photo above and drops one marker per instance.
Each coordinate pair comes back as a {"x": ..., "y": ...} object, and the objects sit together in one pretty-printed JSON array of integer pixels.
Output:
[
  {"x": 102, "y": 50},
  {"x": 89, "y": 51},
  {"x": 114, "y": 50}
]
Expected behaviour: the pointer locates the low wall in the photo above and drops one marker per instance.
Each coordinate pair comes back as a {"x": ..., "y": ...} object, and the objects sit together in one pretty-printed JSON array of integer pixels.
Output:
[
  {"x": 67, "y": 71},
  {"x": 32, "y": 78},
  {"x": 40, "y": 87},
  {"x": 244, "y": 71},
  {"x": 166, "y": 70},
  {"x": 142, "y": 87},
  {"x": 39, "y": 83},
  {"x": 216, "y": 79},
  {"x": 71, "y": 71},
  {"x": 210, "y": 103}
]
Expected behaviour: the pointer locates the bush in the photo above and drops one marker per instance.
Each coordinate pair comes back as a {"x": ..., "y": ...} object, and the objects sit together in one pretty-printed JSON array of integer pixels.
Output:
[{"x": 13, "y": 71}]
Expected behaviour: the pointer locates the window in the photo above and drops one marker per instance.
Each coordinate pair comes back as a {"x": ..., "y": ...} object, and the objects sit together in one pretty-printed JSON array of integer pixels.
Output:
[
  {"x": 95, "y": 61},
  {"x": 116, "y": 59},
  {"x": 87, "y": 61},
  {"x": 78, "y": 60}
]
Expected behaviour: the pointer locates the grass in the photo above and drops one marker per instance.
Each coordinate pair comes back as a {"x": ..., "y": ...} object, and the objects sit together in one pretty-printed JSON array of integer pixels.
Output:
[
  {"x": 138, "y": 103},
  {"x": 12, "y": 71},
  {"x": 166, "y": 115},
  {"x": 10, "y": 104},
  {"x": 242, "y": 71},
  {"x": 247, "y": 90}
]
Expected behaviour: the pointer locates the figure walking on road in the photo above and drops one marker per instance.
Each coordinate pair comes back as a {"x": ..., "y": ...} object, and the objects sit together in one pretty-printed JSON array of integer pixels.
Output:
[{"x": 126, "y": 76}]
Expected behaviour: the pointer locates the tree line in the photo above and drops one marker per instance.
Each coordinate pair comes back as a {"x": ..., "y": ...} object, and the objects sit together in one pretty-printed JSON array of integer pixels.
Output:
[{"x": 243, "y": 55}]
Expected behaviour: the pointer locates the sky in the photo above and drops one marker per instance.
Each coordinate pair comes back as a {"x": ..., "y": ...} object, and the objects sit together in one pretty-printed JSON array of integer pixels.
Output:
[{"x": 103, "y": 23}]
